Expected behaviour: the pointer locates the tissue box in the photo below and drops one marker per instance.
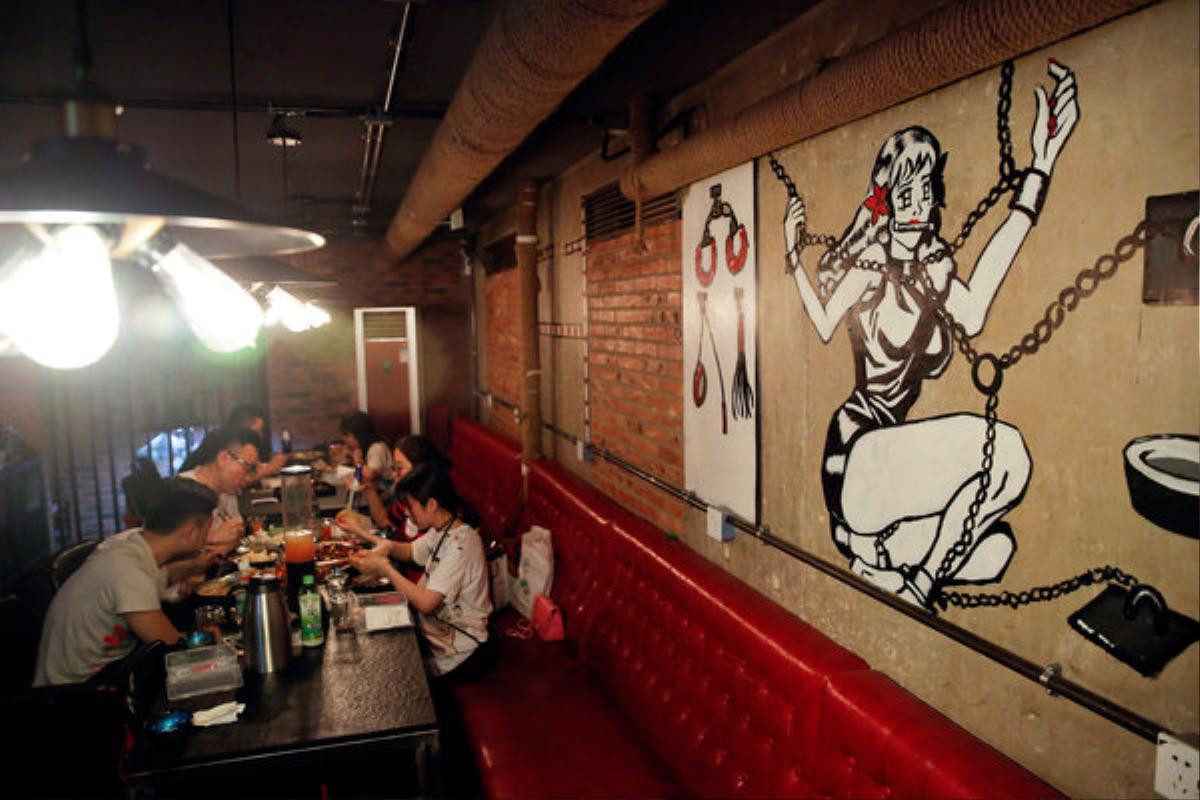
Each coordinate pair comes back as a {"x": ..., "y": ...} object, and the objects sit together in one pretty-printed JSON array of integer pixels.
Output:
[{"x": 202, "y": 670}]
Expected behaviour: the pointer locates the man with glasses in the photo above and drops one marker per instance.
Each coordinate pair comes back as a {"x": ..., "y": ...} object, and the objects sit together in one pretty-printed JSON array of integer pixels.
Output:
[{"x": 228, "y": 461}]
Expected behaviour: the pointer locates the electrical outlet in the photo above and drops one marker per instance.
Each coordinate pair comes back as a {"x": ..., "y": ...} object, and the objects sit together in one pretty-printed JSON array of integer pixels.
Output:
[
  {"x": 718, "y": 525},
  {"x": 1177, "y": 767}
]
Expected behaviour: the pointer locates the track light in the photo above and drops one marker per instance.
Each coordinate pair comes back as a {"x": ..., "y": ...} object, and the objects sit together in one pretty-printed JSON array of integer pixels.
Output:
[{"x": 280, "y": 135}]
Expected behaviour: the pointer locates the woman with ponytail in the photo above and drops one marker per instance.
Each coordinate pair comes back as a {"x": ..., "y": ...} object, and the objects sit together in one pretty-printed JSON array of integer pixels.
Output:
[{"x": 451, "y": 597}]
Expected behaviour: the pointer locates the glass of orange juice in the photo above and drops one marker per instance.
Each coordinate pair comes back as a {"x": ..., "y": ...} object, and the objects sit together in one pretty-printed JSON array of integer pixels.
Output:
[{"x": 299, "y": 546}]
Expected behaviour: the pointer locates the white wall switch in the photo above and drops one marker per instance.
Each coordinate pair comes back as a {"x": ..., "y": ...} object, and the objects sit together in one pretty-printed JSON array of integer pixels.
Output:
[{"x": 1177, "y": 767}]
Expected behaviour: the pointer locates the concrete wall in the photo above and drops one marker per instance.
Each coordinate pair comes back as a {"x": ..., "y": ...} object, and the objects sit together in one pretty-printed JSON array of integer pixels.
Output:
[{"x": 1116, "y": 370}]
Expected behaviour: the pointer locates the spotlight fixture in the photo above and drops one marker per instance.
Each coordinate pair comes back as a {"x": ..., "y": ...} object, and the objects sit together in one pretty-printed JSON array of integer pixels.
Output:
[{"x": 280, "y": 135}]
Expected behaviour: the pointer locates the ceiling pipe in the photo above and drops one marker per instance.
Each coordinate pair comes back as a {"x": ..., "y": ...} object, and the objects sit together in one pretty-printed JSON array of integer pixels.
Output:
[
  {"x": 376, "y": 130},
  {"x": 224, "y": 105},
  {"x": 957, "y": 40},
  {"x": 532, "y": 56}
]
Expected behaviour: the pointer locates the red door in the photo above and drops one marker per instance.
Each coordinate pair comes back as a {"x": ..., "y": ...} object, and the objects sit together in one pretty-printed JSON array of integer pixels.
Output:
[{"x": 387, "y": 363}]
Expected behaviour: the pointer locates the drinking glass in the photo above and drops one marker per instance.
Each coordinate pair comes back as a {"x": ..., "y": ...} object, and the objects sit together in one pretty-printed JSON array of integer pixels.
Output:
[{"x": 341, "y": 601}]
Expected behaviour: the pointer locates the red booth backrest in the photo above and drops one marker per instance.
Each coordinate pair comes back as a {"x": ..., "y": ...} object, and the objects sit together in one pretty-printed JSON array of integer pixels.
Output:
[
  {"x": 879, "y": 741},
  {"x": 737, "y": 696},
  {"x": 723, "y": 685},
  {"x": 487, "y": 472}
]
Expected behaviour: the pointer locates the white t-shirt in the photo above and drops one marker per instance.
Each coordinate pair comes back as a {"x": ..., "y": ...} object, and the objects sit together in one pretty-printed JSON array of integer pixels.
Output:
[
  {"x": 379, "y": 459},
  {"x": 454, "y": 566},
  {"x": 227, "y": 504},
  {"x": 85, "y": 627}
]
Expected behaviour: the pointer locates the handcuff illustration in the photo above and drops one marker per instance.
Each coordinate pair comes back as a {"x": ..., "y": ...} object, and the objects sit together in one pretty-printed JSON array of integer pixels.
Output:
[{"x": 737, "y": 241}]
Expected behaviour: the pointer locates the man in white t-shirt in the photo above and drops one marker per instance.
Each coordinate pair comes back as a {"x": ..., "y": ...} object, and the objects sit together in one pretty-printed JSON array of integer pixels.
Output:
[
  {"x": 113, "y": 598},
  {"x": 229, "y": 460}
]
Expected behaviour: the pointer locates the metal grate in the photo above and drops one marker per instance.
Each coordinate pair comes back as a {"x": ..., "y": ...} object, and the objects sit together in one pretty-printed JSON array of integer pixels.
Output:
[
  {"x": 138, "y": 401},
  {"x": 385, "y": 325},
  {"x": 607, "y": 212}
]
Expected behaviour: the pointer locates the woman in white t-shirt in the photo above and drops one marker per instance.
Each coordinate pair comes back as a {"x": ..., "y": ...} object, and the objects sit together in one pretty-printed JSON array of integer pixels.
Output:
[
  {"x": 368, "y": 448},
  {"x": 451, "y": 596}
]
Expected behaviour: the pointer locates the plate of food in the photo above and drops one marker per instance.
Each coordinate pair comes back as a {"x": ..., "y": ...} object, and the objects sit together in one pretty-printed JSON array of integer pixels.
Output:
[
  {"x": 217, "y": 589},
  {"x": 368, "y": 583}
]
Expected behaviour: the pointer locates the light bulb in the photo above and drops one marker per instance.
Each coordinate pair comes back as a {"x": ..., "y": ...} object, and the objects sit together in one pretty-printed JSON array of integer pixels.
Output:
[
  {"x": 223, "y": 315},
  {"x": 288, "y": 309},
  {"x": 317, "y": 316},
  {"x": 60, "y": 306}
]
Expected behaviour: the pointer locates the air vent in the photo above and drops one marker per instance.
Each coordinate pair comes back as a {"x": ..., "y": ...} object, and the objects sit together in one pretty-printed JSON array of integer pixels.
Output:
[
  {"x": 384, "y": 325},
  {"x": 607, "y": 212}
]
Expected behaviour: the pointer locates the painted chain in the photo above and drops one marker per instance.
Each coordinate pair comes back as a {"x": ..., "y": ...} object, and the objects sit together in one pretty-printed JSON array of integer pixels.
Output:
[
  {"x": 1038, "y": 594},
  {"x": 987, "y": 369}
]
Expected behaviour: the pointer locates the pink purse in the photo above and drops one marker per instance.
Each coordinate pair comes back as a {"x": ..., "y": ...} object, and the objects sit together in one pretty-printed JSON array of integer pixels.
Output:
[{"x": 547, "y": 619}]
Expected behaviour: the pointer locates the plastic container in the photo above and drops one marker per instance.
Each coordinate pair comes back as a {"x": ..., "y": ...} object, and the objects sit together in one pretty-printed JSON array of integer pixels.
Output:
[{"x": 202, "y": 670}]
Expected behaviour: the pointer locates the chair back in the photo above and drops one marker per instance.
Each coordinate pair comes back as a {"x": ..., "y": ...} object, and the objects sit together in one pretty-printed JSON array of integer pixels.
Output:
[
  {"x": 138, "y": 486},
  {"x": 64, "y": 563}
]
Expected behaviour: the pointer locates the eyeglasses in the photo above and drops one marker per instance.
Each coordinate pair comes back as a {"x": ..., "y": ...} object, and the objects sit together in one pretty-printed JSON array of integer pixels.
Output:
[{"x": 250, "y": 468}]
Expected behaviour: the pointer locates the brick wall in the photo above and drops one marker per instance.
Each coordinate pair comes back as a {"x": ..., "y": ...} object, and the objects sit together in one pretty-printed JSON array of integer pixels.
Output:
[
  {"x": 635, "y": 367},
  {"x": 23, "y": 400},
  {"x": 311, "y": 376},
  {"x": 502, "y": 343}
]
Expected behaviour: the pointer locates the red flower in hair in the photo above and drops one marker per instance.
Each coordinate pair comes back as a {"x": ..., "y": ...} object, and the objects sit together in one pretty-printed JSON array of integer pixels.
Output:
[{"x": 876, "y": 203}]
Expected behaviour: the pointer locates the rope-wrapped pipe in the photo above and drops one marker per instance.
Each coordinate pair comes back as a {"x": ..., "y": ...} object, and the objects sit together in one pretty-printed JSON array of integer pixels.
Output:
[
  {"x": 946, "y": 45},
  {"x": 532, "y": 56}
]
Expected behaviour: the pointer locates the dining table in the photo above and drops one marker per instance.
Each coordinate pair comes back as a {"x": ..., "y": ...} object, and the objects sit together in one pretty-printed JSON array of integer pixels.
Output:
[{"x": 358, "y": 695}]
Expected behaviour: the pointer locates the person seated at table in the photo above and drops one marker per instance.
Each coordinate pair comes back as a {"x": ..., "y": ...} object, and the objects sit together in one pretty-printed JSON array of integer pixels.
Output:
[
  {"x": 451, "y": 598},
  {"x": 389, "y": 512},
  {"x": 113, "y": 599},
  {"x": 249, "y": 418},
  {"x": 228, "y": 462},
  {"x": 367, "y": 447}
]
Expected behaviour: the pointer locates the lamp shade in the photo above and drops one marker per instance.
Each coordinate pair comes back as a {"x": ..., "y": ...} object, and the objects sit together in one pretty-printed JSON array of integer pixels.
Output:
[{"x": 98, "y": 181}]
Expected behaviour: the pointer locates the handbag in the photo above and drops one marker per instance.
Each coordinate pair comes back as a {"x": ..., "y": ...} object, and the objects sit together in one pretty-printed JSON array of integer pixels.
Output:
[{"x": 547, "y": 619}]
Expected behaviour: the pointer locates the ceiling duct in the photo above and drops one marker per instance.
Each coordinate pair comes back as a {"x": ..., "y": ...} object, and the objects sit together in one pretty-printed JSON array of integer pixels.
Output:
[
  {"x": 533, "y": 55},
  {"x": 946, "y": 45}
]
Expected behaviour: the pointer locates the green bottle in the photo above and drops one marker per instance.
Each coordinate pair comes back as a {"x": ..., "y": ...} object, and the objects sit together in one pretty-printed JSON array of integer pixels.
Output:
[{"x": 311, "y": 633}]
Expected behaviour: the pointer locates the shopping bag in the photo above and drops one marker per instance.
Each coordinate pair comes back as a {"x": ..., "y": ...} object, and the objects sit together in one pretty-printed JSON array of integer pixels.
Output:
[
  {"x": 547, "y": 619},
  {"x": 535, "y": 572}
]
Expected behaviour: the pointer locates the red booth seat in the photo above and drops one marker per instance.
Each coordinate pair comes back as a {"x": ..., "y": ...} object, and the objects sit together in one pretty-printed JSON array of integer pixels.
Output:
[
  {"x": 487, "y": 472},
  {"x": 677, "y": 680}
]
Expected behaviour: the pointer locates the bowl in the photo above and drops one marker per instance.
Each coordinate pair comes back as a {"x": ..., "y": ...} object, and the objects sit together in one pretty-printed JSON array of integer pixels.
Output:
[{"x": 1163, "y": 475}]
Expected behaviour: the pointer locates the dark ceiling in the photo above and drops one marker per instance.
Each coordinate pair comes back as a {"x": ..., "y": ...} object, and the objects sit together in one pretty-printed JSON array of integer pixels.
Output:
[{"x": 169, "y": 63}]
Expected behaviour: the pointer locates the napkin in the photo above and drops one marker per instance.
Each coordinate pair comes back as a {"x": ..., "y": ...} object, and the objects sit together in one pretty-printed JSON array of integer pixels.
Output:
[{"x": 218, "y": 715}]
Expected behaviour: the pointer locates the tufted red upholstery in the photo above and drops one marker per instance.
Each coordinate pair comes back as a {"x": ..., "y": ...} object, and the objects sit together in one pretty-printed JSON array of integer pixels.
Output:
[
  {"x": 677, "y": 679},
  {"x": 487, "y": 472},
  {"x": 879, "y": 741}
]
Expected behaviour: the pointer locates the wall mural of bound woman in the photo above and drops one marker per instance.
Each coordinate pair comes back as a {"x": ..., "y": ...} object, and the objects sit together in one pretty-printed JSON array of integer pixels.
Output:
[{"x": 900, "y": 490}]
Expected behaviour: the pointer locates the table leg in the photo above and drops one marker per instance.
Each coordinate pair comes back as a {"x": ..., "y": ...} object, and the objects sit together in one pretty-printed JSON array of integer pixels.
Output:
[{"x": 429, "y": 768}]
